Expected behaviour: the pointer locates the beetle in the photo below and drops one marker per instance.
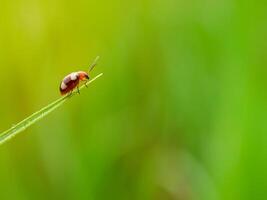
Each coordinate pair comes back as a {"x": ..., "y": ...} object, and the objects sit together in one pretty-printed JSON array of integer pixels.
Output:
[{"x": 72, "y": 80}]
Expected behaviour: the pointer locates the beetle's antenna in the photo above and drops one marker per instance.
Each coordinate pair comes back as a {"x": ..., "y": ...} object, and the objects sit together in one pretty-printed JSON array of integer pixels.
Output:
[{"x": 92, "y": 66}]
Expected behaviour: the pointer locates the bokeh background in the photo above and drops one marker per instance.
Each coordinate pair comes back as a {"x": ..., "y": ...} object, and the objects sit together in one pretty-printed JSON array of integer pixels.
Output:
[{"x": 180, "y": 113}]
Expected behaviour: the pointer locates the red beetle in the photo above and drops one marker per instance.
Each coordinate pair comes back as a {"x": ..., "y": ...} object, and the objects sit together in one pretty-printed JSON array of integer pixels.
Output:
[{"x": 71, "y": 81}]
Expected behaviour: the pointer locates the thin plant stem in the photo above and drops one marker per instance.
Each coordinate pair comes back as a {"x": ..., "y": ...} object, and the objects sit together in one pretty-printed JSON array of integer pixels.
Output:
[{"x": 24, "y": 124}]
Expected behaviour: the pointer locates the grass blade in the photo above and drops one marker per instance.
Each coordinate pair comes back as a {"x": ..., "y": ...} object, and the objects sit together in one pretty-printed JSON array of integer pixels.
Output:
[{"x": 21, "y": 126}]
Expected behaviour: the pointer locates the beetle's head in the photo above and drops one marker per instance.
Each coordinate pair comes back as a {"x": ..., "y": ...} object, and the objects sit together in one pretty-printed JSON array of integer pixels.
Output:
[{"x": 83, "y": 76}]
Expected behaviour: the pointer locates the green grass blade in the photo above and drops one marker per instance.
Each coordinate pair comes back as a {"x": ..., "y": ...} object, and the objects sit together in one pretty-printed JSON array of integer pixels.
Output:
[{"x": 21, "y": 126}]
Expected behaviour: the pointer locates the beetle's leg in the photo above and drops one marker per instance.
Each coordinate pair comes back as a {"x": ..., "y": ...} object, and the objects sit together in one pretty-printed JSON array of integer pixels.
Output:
[
  {"x": 86, "y": 84},
  {"x": 78, "y": 90},
  {"x": 70, "y": 93}
]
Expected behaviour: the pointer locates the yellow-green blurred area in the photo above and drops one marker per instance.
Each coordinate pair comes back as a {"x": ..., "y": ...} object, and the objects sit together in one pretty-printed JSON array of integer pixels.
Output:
[{"x": 180, "y": 113}]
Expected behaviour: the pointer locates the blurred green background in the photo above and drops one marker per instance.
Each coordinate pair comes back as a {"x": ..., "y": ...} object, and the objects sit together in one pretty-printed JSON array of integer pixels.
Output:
[{"x": 180, "y": 113}]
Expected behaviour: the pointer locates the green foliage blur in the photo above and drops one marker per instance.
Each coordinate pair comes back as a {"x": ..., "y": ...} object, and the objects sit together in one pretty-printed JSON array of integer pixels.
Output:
[{"x": 180, "y": 113}]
